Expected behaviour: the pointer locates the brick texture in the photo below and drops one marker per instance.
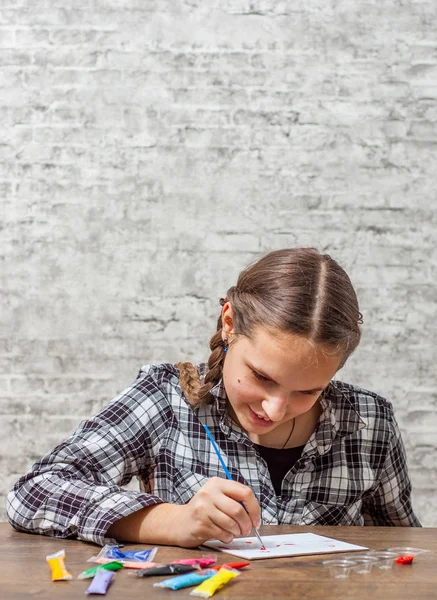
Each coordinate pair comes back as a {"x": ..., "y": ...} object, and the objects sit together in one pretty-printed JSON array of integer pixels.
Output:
[{"x": 149, "y": 149}]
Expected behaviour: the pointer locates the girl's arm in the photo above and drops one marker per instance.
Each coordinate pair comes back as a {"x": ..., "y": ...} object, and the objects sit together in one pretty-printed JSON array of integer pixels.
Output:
[
  {"x": 215, "y": 511},
  {"x": 389, "y": 503},
  {"x": 76, "y": 490}
]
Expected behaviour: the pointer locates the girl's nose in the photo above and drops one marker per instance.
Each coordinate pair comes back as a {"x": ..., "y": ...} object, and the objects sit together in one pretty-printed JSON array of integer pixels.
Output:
[{"x": 275, "y": 407}]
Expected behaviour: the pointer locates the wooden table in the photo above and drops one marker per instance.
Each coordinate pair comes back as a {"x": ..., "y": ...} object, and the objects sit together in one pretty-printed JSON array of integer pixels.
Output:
[{"x": 24, "y": 572}]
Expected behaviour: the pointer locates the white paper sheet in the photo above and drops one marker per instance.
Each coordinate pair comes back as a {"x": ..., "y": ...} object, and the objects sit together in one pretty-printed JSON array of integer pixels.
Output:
[{"x": 291, "y": 544}]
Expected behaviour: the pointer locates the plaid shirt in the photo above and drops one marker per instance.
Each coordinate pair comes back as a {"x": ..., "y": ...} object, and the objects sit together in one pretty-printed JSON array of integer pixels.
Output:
[{"x": 352, "y": 470}]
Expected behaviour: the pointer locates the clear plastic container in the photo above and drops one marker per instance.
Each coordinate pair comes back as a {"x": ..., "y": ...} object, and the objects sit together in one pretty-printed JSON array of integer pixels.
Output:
[
  {"x": 385, "y": 558},
  {"x": 339, "y": 567},
  {"x": 407, "y": 550},
  {"x": 364, "y": 564}
]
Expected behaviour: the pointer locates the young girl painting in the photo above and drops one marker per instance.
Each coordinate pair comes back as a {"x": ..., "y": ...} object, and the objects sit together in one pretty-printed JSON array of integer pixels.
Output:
[{"x": 302, "y": 448}]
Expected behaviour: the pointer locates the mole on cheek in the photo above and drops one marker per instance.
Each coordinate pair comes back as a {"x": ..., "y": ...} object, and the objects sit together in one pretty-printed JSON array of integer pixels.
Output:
[{"x": 239, "y": 381}]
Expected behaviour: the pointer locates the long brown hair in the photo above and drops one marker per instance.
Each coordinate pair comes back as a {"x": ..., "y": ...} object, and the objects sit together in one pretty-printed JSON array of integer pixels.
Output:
[{"x": 296, "y": 290}]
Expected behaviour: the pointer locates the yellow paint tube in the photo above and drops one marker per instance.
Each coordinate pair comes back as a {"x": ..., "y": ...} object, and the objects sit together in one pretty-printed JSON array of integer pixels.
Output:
[
  {"x": 57, "y": 565},
  {"x": 209, "y": 587}
]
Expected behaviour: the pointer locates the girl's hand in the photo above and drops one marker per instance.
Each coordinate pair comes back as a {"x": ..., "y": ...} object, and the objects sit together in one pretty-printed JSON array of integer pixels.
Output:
[{"x": 216, "y": 512}]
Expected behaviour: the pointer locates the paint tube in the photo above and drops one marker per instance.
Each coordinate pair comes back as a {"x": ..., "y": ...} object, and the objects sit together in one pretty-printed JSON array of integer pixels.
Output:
[
  {"x": 187, "y": 580},
  {"x": 100, "y": 582},
  {"x": 209, "y": 587},
  {"x": 114, "y": 553},
  {"x": 232, "y": 565},
  {"x": 127, "y": 564},
  {"x": 89, "y": 573},
  {"x": 57, "y": 565},
  {"x": 131, "y": 559},
  {"x": 202, "y": 562},
  {"x": 166, "y": 570}
]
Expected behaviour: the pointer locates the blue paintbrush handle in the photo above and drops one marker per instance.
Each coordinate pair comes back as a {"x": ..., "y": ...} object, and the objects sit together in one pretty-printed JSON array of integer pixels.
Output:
[
  {"x": 217, "y": 451},
  {"x": 228, "y": 475}
]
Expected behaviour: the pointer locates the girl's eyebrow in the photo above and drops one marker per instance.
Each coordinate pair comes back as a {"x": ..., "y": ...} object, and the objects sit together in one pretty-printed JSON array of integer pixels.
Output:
[{"x": 261, "y": 372}]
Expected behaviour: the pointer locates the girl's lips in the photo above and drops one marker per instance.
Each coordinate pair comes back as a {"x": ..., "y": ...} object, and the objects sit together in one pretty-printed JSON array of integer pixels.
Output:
[{"x": 258, "y": 420}]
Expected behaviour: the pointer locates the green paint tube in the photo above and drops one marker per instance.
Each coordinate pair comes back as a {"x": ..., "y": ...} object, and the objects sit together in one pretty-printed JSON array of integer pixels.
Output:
[{"x": 111, "y": 566}]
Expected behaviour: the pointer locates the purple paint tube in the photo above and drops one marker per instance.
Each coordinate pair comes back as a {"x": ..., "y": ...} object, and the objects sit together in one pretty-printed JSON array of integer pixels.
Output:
[{"x": 100, "y": 582}]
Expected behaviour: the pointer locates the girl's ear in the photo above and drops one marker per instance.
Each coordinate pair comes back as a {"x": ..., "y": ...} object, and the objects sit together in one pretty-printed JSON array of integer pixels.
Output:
[{"x": 227, "y": 319}]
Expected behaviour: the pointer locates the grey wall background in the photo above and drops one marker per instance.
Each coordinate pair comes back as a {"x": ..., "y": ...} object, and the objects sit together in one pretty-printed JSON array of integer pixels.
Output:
[{"x": 149, "y": 149}]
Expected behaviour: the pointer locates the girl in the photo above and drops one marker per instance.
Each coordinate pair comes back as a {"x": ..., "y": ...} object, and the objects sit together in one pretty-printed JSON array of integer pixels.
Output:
[{"x": 301, "y": 448}]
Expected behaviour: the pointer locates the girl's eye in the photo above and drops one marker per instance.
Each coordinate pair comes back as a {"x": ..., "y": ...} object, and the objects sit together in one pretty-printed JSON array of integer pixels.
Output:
[
  {"x": 259, "y": 376},
  {"x": 262, "y": 378}
]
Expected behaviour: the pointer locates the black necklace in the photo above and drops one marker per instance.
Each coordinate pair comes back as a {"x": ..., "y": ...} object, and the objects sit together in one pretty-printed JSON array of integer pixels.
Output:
[{"x": 290, "y": 434}]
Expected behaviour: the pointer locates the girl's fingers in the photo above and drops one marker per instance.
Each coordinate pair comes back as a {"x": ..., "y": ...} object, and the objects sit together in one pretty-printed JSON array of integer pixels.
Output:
[
  {"x": 252, "y": 507},
  {"x": 220, "y": 501},
  {"x": 231, "y": 516},
  {"x": 219, "y": 533},
  {"x": 242, "y": 493}
]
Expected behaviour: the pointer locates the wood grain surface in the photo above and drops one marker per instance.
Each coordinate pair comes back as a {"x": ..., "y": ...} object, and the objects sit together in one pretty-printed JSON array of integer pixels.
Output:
[{"x": 25, "y": 573}]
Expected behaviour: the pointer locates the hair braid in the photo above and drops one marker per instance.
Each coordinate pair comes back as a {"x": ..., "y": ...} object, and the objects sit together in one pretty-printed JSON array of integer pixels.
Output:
[
  {"x": 189, "y": 381},
  {"x": 195, "y": 391}
]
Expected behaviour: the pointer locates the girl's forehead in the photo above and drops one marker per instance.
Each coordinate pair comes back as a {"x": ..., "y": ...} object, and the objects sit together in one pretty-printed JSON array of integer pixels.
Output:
[
  {"x": 283, "y": 351},
  {"x": 282, "y": 341}
]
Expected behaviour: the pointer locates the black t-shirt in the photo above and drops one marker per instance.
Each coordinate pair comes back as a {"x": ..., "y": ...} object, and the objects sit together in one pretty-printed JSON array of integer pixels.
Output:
[{"x": 279, "y": 462}]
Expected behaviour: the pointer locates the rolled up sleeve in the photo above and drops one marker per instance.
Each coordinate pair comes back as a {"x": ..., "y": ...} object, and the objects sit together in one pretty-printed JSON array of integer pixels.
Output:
[{"x": 76, "y": 490}]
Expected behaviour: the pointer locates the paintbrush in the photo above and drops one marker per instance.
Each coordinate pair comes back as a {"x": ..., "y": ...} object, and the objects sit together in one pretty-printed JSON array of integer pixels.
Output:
[{"x": 229, "y": 476}]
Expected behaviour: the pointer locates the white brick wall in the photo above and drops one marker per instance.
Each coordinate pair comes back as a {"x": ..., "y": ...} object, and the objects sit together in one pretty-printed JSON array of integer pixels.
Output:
[{"x": 149, "y": 149}]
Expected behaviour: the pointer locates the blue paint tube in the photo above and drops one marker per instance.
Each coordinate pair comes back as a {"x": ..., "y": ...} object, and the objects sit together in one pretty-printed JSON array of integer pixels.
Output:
[
  {"x": 115, "y": 553},
  {"x": 187, "y": 580}
]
